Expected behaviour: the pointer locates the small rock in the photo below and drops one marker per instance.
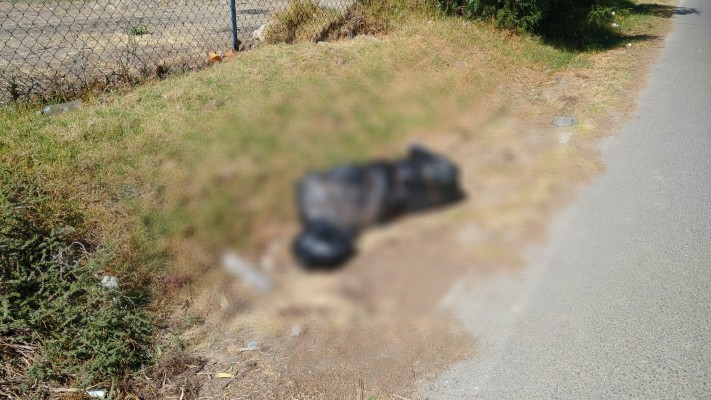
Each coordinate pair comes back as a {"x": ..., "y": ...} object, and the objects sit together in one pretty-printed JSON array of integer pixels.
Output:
[
  {"x": 296, "y": 330},
  {"x": 564, "y": 138},
  {"x": 564, "y": 121},
  {"x": 109, "y": 282},
  {"x": 560, "y": 80}
]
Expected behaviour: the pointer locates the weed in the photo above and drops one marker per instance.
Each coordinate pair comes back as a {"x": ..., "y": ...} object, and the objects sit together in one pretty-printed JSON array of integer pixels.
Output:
[
  {"x": 58, "y": 324},
  {"x": 300, "y": 20},
  {"x": 137, "y": 28}
]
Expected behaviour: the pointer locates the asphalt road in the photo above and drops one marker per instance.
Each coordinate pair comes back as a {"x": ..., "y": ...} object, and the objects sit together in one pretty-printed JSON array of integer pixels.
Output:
[{"x": 618, "y": 304}]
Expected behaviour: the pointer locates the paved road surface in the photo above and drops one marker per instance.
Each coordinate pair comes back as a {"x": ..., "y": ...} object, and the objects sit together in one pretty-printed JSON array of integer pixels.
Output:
[{"x": 618, "y": 304}]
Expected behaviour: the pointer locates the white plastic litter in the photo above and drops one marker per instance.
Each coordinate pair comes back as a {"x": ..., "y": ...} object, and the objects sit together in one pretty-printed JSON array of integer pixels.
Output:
[
  {"x": 109, "y": 282},
  {"x": 60, "y": 108},
  {"x": 96, "y": 393},
  {"x": 242, "y": 269}
]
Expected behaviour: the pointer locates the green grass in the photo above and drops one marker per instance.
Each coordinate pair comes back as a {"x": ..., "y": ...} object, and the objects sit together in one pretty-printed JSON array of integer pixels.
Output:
[
  {"x": 57, "y": 323},
  {"x": 159, "y": 179},
  {"x": 137, "y": 28}
]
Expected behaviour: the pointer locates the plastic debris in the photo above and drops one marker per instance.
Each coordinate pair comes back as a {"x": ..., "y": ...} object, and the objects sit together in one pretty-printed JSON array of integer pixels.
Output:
[
  {"x": 109, "y": 282},
  {"x": 96, "y": 393},
  {"x": 251, "y": 346},
  {"x": 55, "y": 109},
  {"x": 336, "y": 205},
  {"x": 224, "y": 375},
  {"x": 250, "y": 275},
  {"x": 561, "y": 122}
]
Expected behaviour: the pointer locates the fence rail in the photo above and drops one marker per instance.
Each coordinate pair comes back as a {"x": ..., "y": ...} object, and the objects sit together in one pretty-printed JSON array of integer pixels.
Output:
[{"x": 57, "y": 48}]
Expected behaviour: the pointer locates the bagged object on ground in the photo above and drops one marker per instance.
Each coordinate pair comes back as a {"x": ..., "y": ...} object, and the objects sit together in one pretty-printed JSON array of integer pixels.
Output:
[{"x": 337, "y": 204}]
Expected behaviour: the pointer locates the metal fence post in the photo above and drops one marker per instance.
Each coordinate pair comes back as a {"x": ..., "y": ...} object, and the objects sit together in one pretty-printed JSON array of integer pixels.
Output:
[{"x": 233, "y": 19}]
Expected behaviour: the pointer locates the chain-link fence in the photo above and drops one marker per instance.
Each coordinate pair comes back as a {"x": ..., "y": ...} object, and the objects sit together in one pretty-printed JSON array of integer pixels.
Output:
[{"x": 59, "y": 48}]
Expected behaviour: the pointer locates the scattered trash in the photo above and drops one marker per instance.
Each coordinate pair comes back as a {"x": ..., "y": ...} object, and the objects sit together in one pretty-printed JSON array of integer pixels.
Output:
[
  {"x": 229, "y": 53},
  {"x": 628, "y": 45},
  {"x": 296, "y": 330},
  {"x": 224, "y": 375},
  {"x": 336, "y": 205},
  {"x": 561, "y": 122},
  {"x": 251, "y": 346},
  {"x": 109, "y": 282},
  {"x": 250, "y": 275},
  {"x": 261, "y": 32},
  {"x": 615, "y": 25},
  {"x": 55, "y": 109},
  {"x": 96, "y": 393},
  {"x": 564, "y": 138},
  {"x": 213, "y": 58},
  {"x": 560, "y": 80}
]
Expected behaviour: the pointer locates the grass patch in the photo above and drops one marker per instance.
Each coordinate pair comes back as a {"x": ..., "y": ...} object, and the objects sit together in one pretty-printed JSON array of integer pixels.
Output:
[
  {"x": 305, "y": 21},
  {"x": 58, "y": 323},
  {"x": 137, "y": 28},
  {"x": 300, "y": 20}
]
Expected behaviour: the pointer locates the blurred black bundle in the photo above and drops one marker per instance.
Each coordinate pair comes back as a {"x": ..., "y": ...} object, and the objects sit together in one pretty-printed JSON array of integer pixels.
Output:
[{"x": 337, "y": 204}]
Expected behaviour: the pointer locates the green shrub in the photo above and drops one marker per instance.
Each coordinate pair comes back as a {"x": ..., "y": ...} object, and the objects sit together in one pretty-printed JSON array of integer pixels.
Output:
[
  {"x": 522, "y": 15},
  {"x": 57, "y": 322},
  {"x": 573, "y": 23}
]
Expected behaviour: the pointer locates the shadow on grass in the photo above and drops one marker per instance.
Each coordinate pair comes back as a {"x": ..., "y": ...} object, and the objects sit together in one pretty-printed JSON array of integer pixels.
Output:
[{"x": 568, "y": 30}]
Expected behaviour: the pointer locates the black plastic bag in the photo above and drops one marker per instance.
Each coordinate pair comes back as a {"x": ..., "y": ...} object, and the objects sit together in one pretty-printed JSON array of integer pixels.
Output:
[{"x": 336, "y": 205}]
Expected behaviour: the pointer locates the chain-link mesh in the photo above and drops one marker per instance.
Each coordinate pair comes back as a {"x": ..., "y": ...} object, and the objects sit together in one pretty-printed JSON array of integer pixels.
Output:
[{"x": 59, "y": 48}]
